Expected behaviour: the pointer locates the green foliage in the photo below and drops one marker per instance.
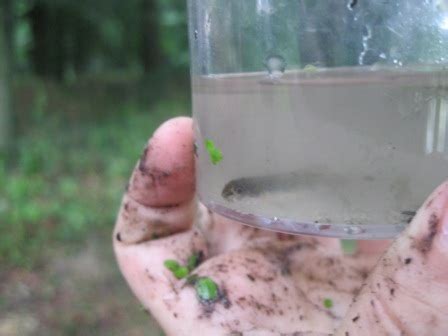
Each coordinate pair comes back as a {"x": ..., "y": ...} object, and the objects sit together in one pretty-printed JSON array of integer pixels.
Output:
[
  {"x": 171, "y": 264},
  {"x": 349, "y": 246},
  {"x": 181, "y": 272},
  {"x": 100, "y": 35},
  {"x": 65, "y": 180},
  {"x": 328, "y": 303},
  {"x": 178, "y": 271},
  {"x": 206, "y": 289},
  {"x": 77, "y": 142},
  {"x": 173, "y": 32},
  {"x": 193, "y": 261},
  {"x": 214, "y": 152}
]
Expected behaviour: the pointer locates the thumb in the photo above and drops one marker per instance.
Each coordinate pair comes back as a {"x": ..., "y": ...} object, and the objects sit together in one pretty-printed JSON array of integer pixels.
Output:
[{"x": 407, "y": 292}]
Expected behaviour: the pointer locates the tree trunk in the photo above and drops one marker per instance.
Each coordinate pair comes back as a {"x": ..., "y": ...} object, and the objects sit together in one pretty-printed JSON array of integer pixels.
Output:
[
  {"x": 48, "y": 54},
  {"x": 149, "y": 48},
  {"x": 37, "y": 17},
  {"x": 9, "y": 24},
  {"x": 5, "y": 98}
]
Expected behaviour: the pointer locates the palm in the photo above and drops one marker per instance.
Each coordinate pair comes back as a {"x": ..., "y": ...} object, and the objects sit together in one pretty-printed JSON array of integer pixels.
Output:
[{"x": 267, "y": 283}]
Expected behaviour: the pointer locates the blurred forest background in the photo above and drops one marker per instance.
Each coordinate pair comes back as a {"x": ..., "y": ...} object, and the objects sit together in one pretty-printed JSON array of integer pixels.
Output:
[{"x": 83, "y": 84}]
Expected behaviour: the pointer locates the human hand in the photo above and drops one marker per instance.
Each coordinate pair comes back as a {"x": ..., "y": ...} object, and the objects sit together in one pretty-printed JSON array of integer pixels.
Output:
[{"x": 245, "y": 281}]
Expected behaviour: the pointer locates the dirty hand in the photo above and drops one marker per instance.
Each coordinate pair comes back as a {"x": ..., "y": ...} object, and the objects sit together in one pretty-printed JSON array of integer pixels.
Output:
[{"x": 201, "y": 274}]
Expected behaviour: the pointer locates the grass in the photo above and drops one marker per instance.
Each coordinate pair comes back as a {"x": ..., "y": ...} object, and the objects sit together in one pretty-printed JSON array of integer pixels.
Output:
[{"x": 65, "y": 177}]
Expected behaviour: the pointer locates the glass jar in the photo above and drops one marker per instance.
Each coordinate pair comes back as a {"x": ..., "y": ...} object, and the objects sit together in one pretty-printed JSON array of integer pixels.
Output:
[{"x": 320, "y": 117}]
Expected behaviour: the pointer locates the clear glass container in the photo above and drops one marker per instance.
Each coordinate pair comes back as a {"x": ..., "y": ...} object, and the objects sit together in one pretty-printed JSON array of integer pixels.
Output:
[{"x": 320, "y": 117}]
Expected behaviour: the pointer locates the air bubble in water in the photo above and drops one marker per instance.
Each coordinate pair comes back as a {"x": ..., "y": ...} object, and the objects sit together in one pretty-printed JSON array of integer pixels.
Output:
[
  {"x": 351, "y": 4},
  {"x": 366, "y": 36},
  {"x": 275, "y": 220},
  {"x": 195, "y": 33},
  {"x": 275, "y": 65},
  {"x": 353, "y": 230}
]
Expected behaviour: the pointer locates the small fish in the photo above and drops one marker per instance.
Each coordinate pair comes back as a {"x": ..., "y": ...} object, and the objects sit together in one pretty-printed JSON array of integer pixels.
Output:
[{"x": 240, "y": 188}]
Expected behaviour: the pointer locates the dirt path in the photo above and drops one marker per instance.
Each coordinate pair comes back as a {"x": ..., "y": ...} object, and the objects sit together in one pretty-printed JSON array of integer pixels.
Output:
[{"x": 81, "y": 294}]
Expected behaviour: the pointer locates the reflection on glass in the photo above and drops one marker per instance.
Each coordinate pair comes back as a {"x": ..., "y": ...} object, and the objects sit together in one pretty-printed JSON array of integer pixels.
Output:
[{"x": 436, "y": 132}]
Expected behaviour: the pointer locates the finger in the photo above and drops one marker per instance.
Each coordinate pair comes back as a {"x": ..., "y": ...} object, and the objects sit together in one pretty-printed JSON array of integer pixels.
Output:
[
  {"x": 406, "y": 293},
  {"x": 137, "y": 222},
  {"x": 372, "y": 247},
  {"x": 160, "y": 198},
  {"x": 164, "y": 175}
]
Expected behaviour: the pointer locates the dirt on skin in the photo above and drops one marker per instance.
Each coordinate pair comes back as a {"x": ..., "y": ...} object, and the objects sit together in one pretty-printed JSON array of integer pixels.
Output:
[{"x": 80, "y": 294}]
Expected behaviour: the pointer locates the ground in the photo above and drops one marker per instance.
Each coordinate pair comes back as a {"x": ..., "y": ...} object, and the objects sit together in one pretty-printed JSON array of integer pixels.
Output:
[{"x": 78, "y": 294}]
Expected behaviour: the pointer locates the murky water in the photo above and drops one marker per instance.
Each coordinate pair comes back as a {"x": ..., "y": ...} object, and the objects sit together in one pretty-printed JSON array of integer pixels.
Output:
[{"x": 358, "y": 150}]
